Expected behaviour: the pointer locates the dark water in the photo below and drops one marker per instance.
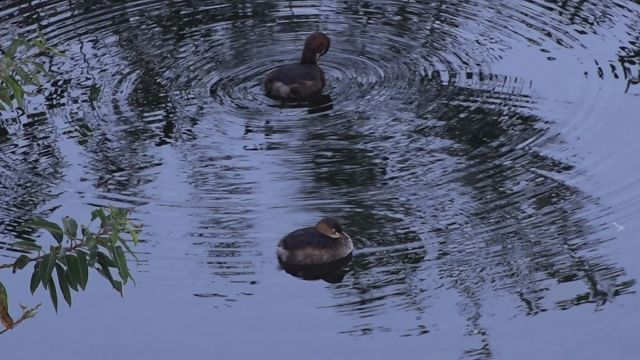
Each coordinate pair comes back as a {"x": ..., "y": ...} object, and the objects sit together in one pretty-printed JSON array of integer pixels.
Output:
[{"x": 483, "y": 155}]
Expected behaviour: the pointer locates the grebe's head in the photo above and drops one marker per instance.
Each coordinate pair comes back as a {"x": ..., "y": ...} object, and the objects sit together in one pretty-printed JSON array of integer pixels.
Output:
[
  {"x": 330, "y": 227},
  {"x": 316, "y": 45}
]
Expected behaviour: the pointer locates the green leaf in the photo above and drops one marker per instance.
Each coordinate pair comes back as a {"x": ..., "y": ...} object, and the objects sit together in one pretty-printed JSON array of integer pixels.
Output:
[
  {"x": 57, "y": 52},
  {"x": 26, "y": 76},
  {"x": 28, "y": 314},
  {"x": 73, "y": 270},
  {"x": 98, "y": 213},
  {"x": 62, "y": 252},
  {"x": 134, "y": 235},
  {"x": 13, "y": 47},
  {"x": 121, "y": 261},
  {"x": 73, "y": 285},
  {"x": 53, "y": 228},
  {"x": 43, "y": 273},
  {"x": 39, "y": 43},
  {"x": 70, "y": 227},
  {"x": 104, "y": 271},
  {"x": 105, "y": 260},
  {"x": 21, "y": 262},
  {"x": 84, "y": 230},
  {"x": 91, "y": 241},
  {"x": 93, "y": 256},
  {"x": 114, "y": 237},
  {"x": 104, "y": 241},
  {"x": 84, "y": 269},
  {"x": 64, "y": 286},
  {"x": 53, "y": 293},
  {"x": 128, "y": 248},
  {"x": 118, "y": 286},
  {"x": 35, "y": 278},
  {"x": 5, "y": 97},
  {"x": 16, "y": 89},
  {"x": 40, "y": 68}
]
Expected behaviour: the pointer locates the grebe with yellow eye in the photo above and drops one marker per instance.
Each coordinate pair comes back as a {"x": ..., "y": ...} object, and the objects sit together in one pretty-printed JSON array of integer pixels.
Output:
[{"x": 323, "y": 243}]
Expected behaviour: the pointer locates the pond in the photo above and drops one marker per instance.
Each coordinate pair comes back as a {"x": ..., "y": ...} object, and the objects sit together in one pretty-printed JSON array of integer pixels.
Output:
[{"x": 482, "y": 154}]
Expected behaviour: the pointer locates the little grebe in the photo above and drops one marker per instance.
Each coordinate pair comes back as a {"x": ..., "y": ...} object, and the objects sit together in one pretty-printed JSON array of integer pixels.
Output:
[
  {"x": 324, "y": 243},
  {"x": 302, "y": 80}
]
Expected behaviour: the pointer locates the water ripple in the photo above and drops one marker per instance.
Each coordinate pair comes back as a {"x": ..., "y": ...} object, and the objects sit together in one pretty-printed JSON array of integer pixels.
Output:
[{"x": 448, "y": 140}]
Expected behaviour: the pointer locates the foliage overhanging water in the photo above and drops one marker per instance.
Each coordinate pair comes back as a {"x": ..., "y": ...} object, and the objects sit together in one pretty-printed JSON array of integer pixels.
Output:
[{"x": 481, "y": 153}]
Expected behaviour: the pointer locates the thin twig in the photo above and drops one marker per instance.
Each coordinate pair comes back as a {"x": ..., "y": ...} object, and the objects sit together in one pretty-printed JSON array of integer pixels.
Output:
[{"x": 26, "y": 314}]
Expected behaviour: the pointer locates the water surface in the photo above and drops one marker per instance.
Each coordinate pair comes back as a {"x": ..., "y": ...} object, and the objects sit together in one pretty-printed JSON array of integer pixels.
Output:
[{"x": 482, "y": 154}]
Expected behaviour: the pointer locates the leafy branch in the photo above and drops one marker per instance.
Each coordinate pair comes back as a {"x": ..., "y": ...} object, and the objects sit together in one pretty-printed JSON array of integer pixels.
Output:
[
  {"x": 76, "y": 252},
  {"x": 19, "y": 68}
]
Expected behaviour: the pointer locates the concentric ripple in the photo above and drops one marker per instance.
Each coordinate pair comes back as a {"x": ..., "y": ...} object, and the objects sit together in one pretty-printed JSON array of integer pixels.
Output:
[{"x": 479, "y": 152}]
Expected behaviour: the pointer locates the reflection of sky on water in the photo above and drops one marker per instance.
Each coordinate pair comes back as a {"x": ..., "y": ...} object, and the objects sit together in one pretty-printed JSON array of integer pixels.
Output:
[{"x": 478, "y": 152}]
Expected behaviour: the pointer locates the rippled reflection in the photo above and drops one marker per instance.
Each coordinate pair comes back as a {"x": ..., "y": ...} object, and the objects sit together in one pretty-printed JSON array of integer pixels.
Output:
[
  {"x": 30, "y": 166},
  {"x": 438, "y": 141},
  {"x": 333, "y": 272}
]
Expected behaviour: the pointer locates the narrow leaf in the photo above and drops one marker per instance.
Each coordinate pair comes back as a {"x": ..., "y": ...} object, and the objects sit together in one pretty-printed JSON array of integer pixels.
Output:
[
  {"x": 121, "y": 261},
  {"x": 72, "y": 284},
  {"x": 42, "y": 70},
  {"x": 16, "y": 89},
  {"x": 93, "y": 256},
  {"x": 98, "y": 213},
  {"x": 57, "y": 52},
  {"x": 128, "y": 248},
  {"x": 53, "y": 228},
  {"x": 64, "y": 286},
  {"x": 84, "y": 269},
  {"x": 35, "y": 278},
  {"x": 73, "y": 270},
  {"x": 53, "y": 293},
  {"x": 52, "y": 261},
  {"x": 70, "y": 227},
  {"x": 5, "y": 97},
  {"x": 21, "y": 262},
  {"x": 26, "y": 76},
  {"x": 114, "y": 237},
  {"x": 91, "y": 241},
  {"x": 13, "y": 47},
  {"x": 134, "y": 236},
  {"x": 31, "y": 312},
  {"x": 117, "y": 284},
  {"x": 40, "y": 43},
  {"x": 104, "y": 271},
  {"x": 43, "y": 273},
  {"x": 105, "y": 260}
]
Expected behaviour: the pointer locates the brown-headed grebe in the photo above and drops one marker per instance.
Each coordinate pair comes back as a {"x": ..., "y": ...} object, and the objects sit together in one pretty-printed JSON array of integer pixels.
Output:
[
  {"x": 321, "y": 244},
  {"x": 302, "y": 80}
]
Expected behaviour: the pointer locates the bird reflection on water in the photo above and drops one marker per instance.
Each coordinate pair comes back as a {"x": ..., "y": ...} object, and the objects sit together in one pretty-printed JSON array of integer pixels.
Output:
[{"x": 332, "y": 273}]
